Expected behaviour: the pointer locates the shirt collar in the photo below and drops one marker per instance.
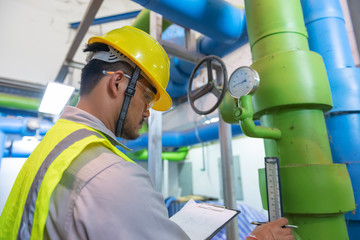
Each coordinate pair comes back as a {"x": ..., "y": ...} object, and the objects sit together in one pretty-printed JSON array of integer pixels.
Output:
[{"x": 80, "y": 116}]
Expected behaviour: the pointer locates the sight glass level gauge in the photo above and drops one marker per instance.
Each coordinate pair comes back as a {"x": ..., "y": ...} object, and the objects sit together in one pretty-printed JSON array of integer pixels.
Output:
[{"x": 243, "y": 81}]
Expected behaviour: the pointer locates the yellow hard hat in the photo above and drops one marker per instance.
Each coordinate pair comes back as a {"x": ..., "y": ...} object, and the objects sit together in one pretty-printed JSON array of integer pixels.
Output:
[{"x": 147, "y": 54}]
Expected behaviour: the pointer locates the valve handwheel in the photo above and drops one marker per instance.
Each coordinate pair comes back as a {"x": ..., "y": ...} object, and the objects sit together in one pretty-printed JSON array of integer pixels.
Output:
[{"x": 215, "y": 86}]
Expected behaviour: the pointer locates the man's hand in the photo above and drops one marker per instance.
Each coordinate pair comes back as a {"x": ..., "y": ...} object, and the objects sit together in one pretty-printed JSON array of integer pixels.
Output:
[{"x": 272, "y": 231}]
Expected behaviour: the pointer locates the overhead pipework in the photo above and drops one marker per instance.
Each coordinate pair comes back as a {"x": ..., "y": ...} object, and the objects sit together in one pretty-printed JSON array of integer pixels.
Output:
[
  {"x": 170, "y": 139},
  {"x": 217, "y": 19},
  {"x": 223, "y": 26},
  {"x": 205, "y": 133},
  {"x": 219, "y": 41},
  {"x": 325, "y": 23}
]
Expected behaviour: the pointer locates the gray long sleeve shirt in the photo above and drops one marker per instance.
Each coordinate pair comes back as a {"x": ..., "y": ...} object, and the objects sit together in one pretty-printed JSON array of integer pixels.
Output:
[{"x": 102, "y": 196}]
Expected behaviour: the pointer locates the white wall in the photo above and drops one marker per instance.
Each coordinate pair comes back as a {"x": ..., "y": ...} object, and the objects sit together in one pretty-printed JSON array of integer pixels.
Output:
[
  {"x": 207, "y": 182},
  {"x": 9, "y": 169}
]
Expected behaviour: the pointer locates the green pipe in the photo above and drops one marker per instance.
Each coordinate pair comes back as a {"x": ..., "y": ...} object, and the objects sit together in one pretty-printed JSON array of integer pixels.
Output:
[
  {"x": 248, "y": 125},
  {"x": 179, "y": 155},
  {"x": 18, "y": 102},
  {"x": 292, "y": 96},
  {"x": 243, "y": 113},
  {"x": 142, "y": 21}
]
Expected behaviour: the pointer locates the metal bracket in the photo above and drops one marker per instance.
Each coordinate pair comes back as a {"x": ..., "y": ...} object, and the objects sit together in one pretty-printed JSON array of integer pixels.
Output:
[{"x": 81, "y": 31}]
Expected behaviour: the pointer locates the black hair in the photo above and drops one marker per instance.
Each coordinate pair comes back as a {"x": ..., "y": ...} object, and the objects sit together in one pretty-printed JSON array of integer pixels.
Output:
[{"x": 91, "y": 74}]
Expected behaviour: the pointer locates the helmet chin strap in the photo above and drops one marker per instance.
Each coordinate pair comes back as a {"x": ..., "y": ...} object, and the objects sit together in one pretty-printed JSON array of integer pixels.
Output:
[{"x": 129, "y": 93}]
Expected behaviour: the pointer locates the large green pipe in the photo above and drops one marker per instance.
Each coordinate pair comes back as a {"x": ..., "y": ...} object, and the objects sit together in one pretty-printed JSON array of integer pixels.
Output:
[{"x": 292, "y": 96}]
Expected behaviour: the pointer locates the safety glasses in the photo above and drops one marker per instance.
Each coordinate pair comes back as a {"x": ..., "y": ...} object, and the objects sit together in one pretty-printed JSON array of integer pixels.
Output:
[{"x": 149, "y": 95}]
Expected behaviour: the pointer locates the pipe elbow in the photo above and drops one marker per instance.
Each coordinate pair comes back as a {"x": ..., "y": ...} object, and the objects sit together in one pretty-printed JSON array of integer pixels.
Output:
[{"x": 251, "y": 130}]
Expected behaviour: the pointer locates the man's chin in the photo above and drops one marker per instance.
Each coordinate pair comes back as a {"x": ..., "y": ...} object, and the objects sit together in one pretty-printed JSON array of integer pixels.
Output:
[{"x": 132, "y": 136}]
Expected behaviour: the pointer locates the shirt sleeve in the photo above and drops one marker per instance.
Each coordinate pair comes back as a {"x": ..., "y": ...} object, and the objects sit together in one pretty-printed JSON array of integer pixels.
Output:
[{"x": 120, "y": 202}]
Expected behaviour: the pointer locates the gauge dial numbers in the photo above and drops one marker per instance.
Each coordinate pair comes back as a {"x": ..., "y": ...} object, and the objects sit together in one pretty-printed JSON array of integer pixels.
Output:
[{"x": 243, "y": 81}]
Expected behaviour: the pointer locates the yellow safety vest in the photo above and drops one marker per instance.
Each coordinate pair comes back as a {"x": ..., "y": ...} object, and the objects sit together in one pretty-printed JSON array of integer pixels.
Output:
[{"x": 26, "y": 209}]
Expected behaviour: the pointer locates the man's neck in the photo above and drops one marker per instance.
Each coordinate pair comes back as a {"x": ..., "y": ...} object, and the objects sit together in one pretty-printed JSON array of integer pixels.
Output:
[{"x": 96, "y": 109}]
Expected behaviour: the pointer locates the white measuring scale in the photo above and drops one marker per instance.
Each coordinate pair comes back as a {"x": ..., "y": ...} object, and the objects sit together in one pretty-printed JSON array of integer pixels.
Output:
[{"x": 272, "y": 172}]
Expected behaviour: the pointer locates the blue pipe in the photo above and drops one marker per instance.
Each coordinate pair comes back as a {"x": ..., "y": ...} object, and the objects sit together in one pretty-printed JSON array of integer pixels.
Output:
[
  {"x": 327, "y": 18},
  {"x": 223, "y": 24},
  {"x": 204, "y": 133},
  {"x": 170, "y": 139},
  {"x": 325, "y": 22},
  {"x": 180, "y": 70},
  {"x": 328, "y": 36},
  {"x": 102, "y": 20},
  {"x": 2, "y": 145},
  {"x": 19, "y": 126},
  {"x": 208, "y": 46},
  {"x": 217, "y": 19}
]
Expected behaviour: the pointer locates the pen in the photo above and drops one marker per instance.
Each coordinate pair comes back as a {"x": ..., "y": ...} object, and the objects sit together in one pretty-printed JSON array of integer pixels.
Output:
[{"x": 261, "y": 223}]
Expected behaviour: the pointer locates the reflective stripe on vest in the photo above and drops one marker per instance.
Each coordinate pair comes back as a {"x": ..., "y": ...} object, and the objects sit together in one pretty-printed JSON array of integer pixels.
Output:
[
  {"x": 28, "y": 213},
  {"x": 25, "y": 212}
]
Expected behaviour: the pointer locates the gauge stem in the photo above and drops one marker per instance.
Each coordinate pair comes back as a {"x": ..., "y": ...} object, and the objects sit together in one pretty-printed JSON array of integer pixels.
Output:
[{"x": 247, "y": 123}]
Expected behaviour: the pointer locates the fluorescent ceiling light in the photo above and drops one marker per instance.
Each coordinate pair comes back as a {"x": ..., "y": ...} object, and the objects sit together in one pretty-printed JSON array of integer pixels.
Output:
[{"x": 55, "y": 98}]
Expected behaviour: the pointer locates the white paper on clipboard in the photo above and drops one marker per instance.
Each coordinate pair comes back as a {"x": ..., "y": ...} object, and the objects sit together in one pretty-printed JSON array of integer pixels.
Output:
[{"x": 202, "y": 221}]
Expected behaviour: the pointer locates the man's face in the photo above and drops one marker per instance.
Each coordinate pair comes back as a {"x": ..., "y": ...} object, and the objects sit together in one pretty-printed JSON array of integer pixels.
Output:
[{"x": 138, "y": 111}]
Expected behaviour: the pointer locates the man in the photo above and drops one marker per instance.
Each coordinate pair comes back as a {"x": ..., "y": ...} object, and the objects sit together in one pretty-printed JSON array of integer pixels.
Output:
[{"x": 77, "y": 184}]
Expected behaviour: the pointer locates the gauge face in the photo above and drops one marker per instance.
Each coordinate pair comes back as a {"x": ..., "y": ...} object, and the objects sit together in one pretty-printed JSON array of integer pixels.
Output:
[{"x": 243, "y": 81}]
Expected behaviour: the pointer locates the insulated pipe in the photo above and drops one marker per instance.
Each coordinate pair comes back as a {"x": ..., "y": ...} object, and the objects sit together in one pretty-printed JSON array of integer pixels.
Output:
[
  {"x": 328, "y": 36},
  {"x": 217, "y": 19},
  {"x": 186, "y": 138},
  {"x": 170, "y": 138},
  {"x": 292, "y": 96},
  {"x": 325, "y": 21},
  {"x": 326, "y": 17},
  {"x": 17, "y": 102},
  {"x": 2, "y": 145},
  {"x": 21, "y": 126}
]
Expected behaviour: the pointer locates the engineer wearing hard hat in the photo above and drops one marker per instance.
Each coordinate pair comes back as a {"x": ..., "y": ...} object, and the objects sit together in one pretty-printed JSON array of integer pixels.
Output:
[{"x": 76, "y": 184}]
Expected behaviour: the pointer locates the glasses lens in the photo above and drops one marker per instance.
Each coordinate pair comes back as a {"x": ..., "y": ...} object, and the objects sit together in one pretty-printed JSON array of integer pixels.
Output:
[
  {"x": 149, "y": 98},
  {"x": 148, "y": 95}
]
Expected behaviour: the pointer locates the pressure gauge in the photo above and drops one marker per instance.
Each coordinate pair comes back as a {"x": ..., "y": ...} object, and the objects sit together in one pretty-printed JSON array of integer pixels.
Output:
[{"x": 243, "y": 81}]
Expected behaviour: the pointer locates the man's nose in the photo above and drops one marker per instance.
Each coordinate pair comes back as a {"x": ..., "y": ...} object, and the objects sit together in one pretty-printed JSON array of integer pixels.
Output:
[{"x": 146, "y": 112}]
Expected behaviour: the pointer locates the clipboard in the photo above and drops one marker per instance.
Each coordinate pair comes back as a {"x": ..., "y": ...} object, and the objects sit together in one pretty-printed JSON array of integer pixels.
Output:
[{"x": 202, "y": 221}]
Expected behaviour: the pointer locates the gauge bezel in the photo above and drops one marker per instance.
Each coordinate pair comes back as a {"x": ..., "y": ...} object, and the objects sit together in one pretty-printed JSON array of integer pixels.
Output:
[{"x": 254, "y": 81}]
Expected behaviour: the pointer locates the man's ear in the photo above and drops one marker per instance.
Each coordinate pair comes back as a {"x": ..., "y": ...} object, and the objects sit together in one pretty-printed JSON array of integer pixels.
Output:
[{"x": 114, "y": 83}]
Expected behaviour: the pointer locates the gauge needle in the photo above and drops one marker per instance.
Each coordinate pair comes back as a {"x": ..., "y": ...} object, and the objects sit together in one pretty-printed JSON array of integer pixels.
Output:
[{"x": 239, "y": 83}]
